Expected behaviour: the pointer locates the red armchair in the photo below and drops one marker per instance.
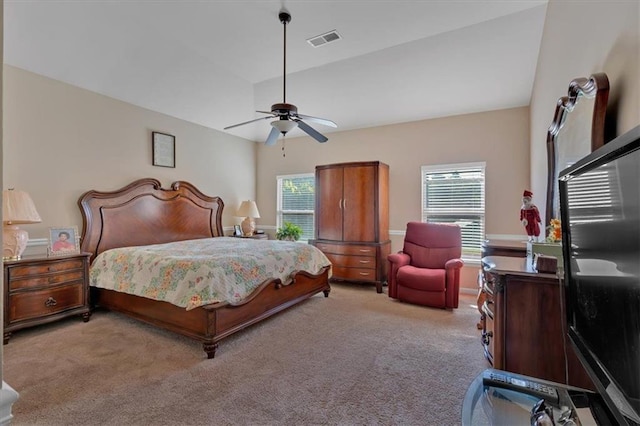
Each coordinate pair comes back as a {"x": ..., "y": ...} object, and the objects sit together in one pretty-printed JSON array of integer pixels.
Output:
[{"x": 427, "y": 270}]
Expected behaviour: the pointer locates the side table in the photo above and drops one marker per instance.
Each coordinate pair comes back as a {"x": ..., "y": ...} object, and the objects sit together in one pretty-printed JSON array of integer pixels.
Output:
[{"x": 41, "y": 289}]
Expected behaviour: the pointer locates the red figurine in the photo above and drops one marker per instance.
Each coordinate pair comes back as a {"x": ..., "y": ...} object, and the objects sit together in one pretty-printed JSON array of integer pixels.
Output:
[{"x": 529, "y": 216}]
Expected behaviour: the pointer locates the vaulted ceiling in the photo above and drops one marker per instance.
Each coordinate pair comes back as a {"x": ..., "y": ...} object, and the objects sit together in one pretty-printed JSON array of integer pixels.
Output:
[{"x": 215, "y": 62}]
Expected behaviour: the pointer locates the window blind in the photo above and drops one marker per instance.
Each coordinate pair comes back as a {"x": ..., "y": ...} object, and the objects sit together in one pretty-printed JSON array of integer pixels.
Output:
[
  {"x": 455, "y": 194},
  {"x": 296, "y": 202}
]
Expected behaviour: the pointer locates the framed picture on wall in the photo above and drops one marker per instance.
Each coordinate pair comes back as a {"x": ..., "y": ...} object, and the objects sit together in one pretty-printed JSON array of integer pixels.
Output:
[
  {"x": 63, "y": 241},
  {"x": 164, "y": 149}
]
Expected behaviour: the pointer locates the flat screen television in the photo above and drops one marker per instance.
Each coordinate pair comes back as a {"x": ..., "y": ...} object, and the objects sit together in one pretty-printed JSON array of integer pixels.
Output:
[{"x": 600, "y": 213}]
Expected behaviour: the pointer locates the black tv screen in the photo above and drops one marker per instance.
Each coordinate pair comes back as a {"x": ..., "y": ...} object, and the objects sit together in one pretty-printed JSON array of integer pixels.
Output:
[{"x": 600, "y": 213}]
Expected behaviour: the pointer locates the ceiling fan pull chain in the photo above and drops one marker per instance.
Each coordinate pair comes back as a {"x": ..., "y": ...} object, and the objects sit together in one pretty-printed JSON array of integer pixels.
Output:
[{"x": 284, "y": 137}]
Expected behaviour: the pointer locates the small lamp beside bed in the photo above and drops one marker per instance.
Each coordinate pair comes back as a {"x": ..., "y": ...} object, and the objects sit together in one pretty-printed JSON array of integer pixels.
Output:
[
  {"x": 249, "y": 209},
  {"x": 17, "y": 209}
]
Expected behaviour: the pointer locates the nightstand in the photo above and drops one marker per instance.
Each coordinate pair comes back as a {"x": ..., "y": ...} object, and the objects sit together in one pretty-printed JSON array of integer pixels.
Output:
[{"x": 40, "y": 289}]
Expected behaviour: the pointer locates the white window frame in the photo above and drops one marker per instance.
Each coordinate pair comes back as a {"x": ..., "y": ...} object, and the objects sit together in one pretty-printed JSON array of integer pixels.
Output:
[
  {"x": 280, "y": 212},
  {"x": 468, "y": 253}
]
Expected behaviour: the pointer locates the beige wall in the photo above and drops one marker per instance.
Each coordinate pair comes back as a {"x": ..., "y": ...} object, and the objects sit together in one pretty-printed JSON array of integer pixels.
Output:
[
  {"x": 499, "y": 138},
  {"x": 60, "y": 141},
  {"x": 581, "y": 38}
]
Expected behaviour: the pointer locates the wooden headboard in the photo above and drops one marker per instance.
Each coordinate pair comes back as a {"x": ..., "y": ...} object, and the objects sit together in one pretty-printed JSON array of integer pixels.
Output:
[{"x": 144, "y": 213}]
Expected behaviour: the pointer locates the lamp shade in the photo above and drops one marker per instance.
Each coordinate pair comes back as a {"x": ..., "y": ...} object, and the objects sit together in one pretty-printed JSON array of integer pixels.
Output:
[
  {"x": 18, "y": 208},
  {"x": 248, "y": 209}
]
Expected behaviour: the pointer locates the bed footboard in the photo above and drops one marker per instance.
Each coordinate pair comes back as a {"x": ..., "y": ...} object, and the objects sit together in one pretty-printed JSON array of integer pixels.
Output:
[{"x": 212, "y": 323}]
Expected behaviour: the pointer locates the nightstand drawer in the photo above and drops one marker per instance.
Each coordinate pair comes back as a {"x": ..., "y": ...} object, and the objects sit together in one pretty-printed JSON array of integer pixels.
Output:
[
  {"x": 46, "y": 280},
  {"x": 36, "y": 304},
  {"x": 44, "y": 268}
]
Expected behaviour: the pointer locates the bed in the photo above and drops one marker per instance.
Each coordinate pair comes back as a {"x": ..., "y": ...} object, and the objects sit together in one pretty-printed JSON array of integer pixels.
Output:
[{"x": 144, "y": 214}]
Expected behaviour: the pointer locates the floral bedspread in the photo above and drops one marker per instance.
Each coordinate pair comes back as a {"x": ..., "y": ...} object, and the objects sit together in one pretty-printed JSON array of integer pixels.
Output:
[{"x": 193, "y": 273}]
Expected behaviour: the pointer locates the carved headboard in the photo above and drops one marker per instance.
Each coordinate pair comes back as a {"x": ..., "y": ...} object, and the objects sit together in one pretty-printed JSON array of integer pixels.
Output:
[{"x": 144, "y": 213}]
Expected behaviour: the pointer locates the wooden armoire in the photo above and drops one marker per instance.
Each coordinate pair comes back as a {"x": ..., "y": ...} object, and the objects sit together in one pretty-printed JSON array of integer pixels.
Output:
[{"x": 352, "y": 220}]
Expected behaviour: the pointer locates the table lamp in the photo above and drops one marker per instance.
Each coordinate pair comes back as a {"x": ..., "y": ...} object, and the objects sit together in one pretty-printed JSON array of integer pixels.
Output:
[
  {"x": 250, "y": 211},
  {"x": 17, "y": 209}
]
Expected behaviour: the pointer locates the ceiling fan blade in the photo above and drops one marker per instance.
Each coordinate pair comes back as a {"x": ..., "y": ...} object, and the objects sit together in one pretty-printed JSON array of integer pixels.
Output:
[
  {"x": 311, "y": 131},
  {"x": 250, "y": 121},
  {"x": 318, "y": 120},
  {"x": 273, "y": 137}
]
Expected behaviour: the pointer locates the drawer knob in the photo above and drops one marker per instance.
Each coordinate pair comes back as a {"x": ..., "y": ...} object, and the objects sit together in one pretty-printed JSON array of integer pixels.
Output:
[
  {"x": 365, "y": 261},
  {"x": 365, "y": 273},
  {"x": 50, "y": 302},
  {"x": 365, "y": 250}
]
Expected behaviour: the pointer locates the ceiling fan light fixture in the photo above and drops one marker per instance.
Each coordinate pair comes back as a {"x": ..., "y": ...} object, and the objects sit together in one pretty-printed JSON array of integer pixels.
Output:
[
  {"x": 287, "y": 114},
  {"x": 284, "y": 125}
]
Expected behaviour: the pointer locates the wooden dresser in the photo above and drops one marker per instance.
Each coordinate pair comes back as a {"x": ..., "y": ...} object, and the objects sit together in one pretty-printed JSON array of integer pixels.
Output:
[
  {"x": 39, "y": 290},
  {"x": 524, "y": 326},
  {"x": 509, "y": 248},
  {"x": 352, "y": 220}
]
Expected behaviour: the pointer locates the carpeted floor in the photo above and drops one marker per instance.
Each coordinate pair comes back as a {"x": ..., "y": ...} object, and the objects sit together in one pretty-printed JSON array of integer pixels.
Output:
[{"x": 356, "y": 357}]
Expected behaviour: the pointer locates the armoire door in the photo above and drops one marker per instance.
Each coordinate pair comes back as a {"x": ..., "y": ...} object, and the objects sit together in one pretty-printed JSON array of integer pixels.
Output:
[
  {"x": 359, "y": 204},
  {"x": 329, "y": 196}
]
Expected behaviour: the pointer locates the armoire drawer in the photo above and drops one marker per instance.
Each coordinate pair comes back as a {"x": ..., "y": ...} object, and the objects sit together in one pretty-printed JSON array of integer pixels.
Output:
[
  {"x": 347, "y": 249},
  {"x": 353, "y": 274},
  {"x": 368, "y": 262}
]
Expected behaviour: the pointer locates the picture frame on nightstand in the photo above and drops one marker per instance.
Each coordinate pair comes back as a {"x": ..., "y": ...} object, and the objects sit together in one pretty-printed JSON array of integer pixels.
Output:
[
  {"x": 63, "y": 241},
  {"x": 237, "y": 231}
]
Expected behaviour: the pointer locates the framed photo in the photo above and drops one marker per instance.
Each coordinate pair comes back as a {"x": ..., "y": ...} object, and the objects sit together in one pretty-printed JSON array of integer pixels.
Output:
[
  {"x": 164, "y": 149},
  {"x": 237, "y": 231},
  {"x": 63, "y": 240}
]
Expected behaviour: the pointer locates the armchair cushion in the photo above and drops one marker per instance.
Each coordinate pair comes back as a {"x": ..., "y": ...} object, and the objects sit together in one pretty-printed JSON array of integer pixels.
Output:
[{"x": 422, "y": 278}]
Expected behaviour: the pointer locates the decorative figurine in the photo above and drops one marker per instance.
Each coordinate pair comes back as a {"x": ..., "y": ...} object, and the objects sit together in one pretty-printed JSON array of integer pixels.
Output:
[{"x": 529, "y": 216}]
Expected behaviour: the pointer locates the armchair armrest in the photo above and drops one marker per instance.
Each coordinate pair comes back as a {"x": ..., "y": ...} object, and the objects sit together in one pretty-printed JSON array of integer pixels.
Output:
[
  {"x": 399, "y": 259},
  {"x": 454, "y": 264},
  {"x": 452, "y": 268},
  {"x": 396, "y": 260}
]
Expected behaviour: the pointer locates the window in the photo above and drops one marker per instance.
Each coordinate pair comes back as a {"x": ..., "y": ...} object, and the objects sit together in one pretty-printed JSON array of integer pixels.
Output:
[
  {"x": 296, "y": 202},
  {"x": 454, "y": 193}
]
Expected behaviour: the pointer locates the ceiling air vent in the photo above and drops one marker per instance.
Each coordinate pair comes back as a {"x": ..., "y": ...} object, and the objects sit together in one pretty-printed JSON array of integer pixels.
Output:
[{"x": 325, "y": 38}]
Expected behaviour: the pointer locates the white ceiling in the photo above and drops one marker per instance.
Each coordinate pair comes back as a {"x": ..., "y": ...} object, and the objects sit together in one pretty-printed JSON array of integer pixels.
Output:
[{"x": 215, "y": 62}]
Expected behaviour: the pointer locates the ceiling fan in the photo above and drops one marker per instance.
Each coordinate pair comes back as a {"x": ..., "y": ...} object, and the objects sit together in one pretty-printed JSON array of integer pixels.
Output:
[{"x": 287, "y": 114}]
